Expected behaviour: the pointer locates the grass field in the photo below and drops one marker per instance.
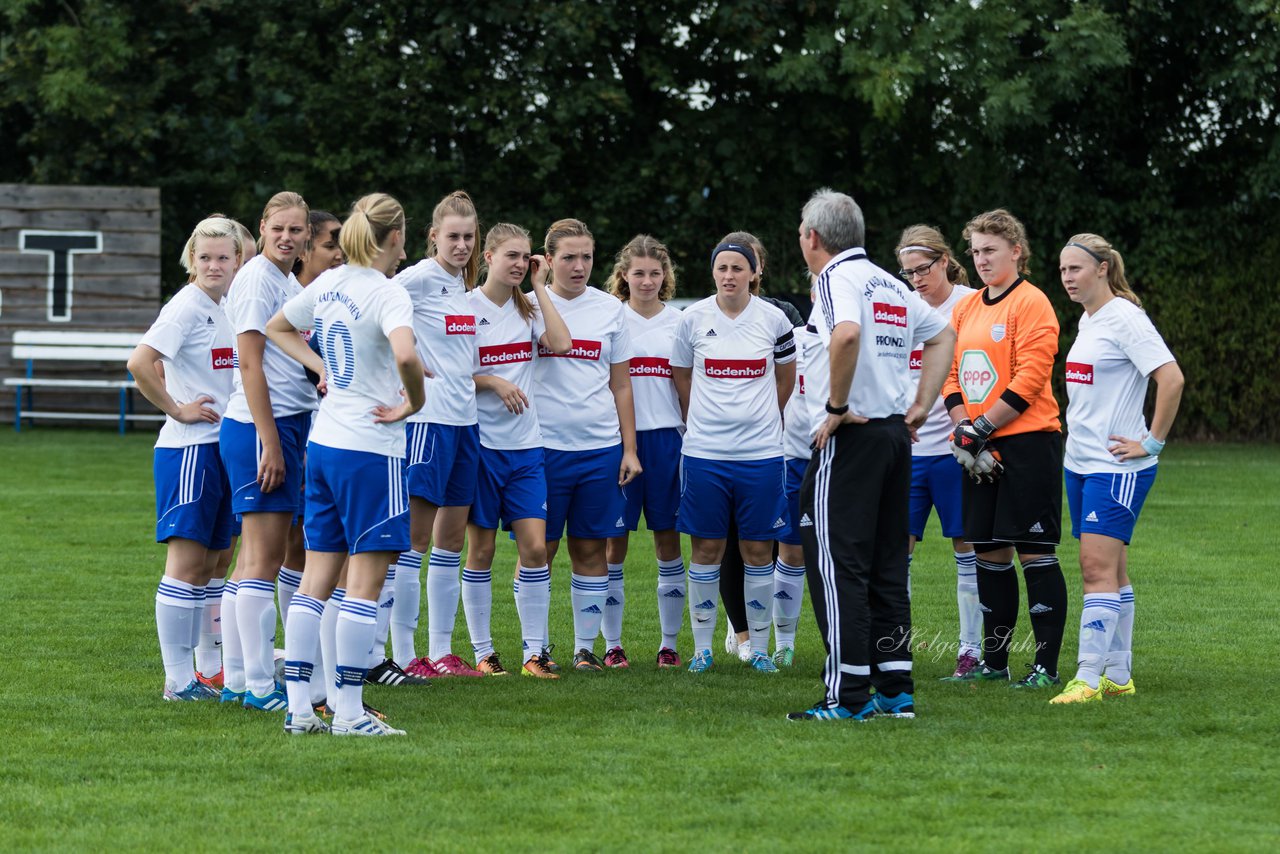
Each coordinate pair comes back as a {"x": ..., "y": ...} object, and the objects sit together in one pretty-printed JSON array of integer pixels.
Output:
[{"x": 641, "y": 759}]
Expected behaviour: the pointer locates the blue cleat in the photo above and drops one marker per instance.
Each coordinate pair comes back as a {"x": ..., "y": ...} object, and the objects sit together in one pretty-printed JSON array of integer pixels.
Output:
[
  {"x": 194, "y": 692},
  {"x": 229, "y": 696},
  {"x": 822, "y": 712},
  {"x": 701, "y": 662},
  {"x": 761, "y": 662},
  {"x": 898, "y": 706},
  {"x": 276, "y": 701}
]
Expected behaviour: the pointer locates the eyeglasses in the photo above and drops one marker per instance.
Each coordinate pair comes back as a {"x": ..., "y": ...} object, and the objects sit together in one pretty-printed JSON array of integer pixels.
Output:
[{"x": 920, "y": 272}]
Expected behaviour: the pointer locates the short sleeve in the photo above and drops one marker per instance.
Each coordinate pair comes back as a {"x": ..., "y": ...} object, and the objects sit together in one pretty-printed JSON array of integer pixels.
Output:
[
  {"x": 300, "y": 311},
  {"x": 926, "y": 322},
  {"x": 682, "y": 342},
  {"x": 169, "y": 331},
  {"x": 1143, "y": 345},
  {"x": 784, "y": 345},
  {"x": 620, "y": 351},
  {"x": 397, "y": 310}
]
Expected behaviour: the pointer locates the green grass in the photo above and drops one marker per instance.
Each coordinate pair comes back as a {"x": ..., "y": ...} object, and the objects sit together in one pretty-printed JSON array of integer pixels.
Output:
[{"x": 641, "y": 760}]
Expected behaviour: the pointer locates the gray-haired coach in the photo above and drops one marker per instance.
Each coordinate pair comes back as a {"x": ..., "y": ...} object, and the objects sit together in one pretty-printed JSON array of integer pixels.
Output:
[{"x": 853, "y": 502}]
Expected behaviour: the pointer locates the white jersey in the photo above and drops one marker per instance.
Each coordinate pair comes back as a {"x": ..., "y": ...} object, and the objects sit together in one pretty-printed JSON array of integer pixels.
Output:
[
  {"x": 893, "y": 320},
  {"x": 733, "y": 400},
  {"x": 1114, "y": 353},
  {"x": 506, "y": 346},
  {"x": 797, "y": 426},
  {"x": 935, "y": 433},
  {"x": 352, "y": 311},
  {"x": 445, "y": 330},
  {"x": 575, "y": 405},
  {"x": 657, "y": 404},
  {"x": 259, "y": 291},
  {"x": 194, "y": 336}
]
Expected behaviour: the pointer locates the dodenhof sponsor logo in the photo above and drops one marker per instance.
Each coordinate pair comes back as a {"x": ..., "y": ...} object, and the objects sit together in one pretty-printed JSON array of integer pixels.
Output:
[
  {"x": 582, "y": 349},
  {"x": 506, "y": 354},
  {"x": 460, "y": 324},
  {"x": 893, "y": 315},
  {"x": 224, "y": 358},
  {"x": 1079, "y": 372},
  {"x": 735, "y": 369},
  {"x": 916, "y": 361},
  {"x": 650, "y": 366}
]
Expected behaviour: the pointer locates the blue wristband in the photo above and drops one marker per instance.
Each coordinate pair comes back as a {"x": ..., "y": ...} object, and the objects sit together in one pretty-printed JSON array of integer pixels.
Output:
[{"x": 1152, "y": 445}]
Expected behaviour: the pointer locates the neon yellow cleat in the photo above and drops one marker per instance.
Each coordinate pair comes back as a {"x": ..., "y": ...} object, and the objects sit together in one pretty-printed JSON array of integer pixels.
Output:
[
  {"x": 1111, "y": 689},
  {"x": 1078, "y": 691}
]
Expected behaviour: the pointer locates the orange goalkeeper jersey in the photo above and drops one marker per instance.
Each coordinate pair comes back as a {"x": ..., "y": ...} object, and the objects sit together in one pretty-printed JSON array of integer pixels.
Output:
[{"x": 1004, "y": 351}]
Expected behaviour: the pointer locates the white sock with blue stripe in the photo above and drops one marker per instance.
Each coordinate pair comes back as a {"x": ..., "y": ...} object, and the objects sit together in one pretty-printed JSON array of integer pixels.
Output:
[
  {"x": 232, "y": 652},
  {"x": 209, "y": 648},
  {"x": 588, "y": 594},
  {"x": 477, "y": 604},
  {"x": 287, "y": 584},
  {"x": 357, "y": 621},
  {"x": 757, "y": 594},
  {"x": 175, "y": 604},
  {"x": 704, "y": 598},
  {"x": 329, "y": 644},
  {"x": 533, "y": 601},
  {"x": 788, "y": 594},
  {"x": 197, "y": 615},
  {"x": 1098, "y": 621},
  {"x": 670, "y": 600},
  {"x": 407, "y": 607},
  {"x": 967, "y": 603},
  {"x": 301, "y": 644},
  {"x": 611, "y": 625},
  {"x": 256, "y": 615},
  {"x": 386, "y": 602},
  {"x": 443, "y": 590},
  {"x": 1119, "y": 659}
]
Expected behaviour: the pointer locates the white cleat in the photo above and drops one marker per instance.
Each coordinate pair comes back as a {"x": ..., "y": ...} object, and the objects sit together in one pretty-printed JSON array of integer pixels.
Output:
[{"x": 363, "y": 725}]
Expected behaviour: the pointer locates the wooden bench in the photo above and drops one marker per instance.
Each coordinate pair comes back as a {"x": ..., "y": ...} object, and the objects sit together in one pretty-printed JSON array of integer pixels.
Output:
[{"x": 106, "y": 348}]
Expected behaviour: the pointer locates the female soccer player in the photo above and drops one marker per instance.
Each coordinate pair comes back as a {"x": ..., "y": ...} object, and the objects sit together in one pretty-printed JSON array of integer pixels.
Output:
[
  {"x": 444, "y": 441},
  {"x": 264, "y": 434},
  {"x": 733, "y": 365},
  {"x": 323, "y": 251},
  {"x": 644, "y": 279},
  {"x": 587, "y": 415},
  {"x": 1111, "y": 455},
  {"x": 1007, "y": 435},
  {"x": 512, "y": 487},
  {"x": 355, "y": 479},
  {"x": 194, "y": 340},
  {"x": 929, "y": 266}
]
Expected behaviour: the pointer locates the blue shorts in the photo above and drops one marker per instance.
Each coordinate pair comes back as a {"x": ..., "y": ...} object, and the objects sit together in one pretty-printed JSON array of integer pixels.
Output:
[
  {"x": 241, "y": 450},
  {"x": 937, "y": 481},
  {"x": 193, "y": 499},
  {"x": 511, "y": 486},
  {"x": 750, "y": 491},
  {"x": 582, "y": 488},
  {"x": 356, "y": 502},
  {"x": 791, "y": 491},
  {"x": 443, "y": 461},
  {"x": 657, "y": 490},
  {"x": 1107, "y": 504}
]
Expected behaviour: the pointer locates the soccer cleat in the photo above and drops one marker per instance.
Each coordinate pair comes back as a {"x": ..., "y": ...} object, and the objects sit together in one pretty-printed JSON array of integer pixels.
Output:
[
  {"x": 322, "y": 711},
  {"x": 731, "y": 640},
  {"x": 1111, "y": 689},
  {"x": 537, "y": 667},
  {"x": 194, "y": 692},
  {"x": 1038, "y": 677},
  {"x": 744, "y": 651},
  {"x": 304, "y": 724},
  {"x": 898, "y": 706},
  {"x": 585, "y": 661},
  {"x": 763, "y": 663},
  {"x": 784, "y": 657},
  {"x": 701, "y": 662},
  {"x": 980, "y": 673},
  {"x": 390, "y": 673},
  {"x": 491, "y": 666},
  {"x": 668, "y": 657},
  {"x": 424, "y": 668},
  {"x": 822, "y": 712},
  {"x": 1078, "y": 691},
  {"x": 229, "y": 696},
  {"x": 214, "y": 681},
  {"x": 616, "y": 658},
  {"x": 328, "y": 712},
  {"x": 366, "y": 724},
  {"x": 547, "y": 661},
  {"x": 276, "y": 701},
  {"x": 966, "y": 664},
  {"x": 452, "y": 665}
]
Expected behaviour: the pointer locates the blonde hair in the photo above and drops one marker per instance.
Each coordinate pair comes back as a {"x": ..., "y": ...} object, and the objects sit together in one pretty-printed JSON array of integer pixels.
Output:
[
  {"x": 929, "y": 241},
  {"x": 457, "y": 203},
  {"x": 757, "y": 247},
  {"x": 213, "y": 227},
  {"x": 642, "y": 246},
  {"x": 564, "y": 228},
  {"x": 1000, "y": 223},
  {"x": 371, "y": 221},
  {"x": 1100, "y": 250},
  {"x": 498, "y": 235},
  {"x": 282, "y": 201}
]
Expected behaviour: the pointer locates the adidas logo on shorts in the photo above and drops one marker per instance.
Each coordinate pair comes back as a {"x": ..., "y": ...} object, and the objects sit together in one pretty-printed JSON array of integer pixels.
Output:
[
  {"x": 1037, "y": 529},
  {"x": 1092, "y": 517},
  {"x": 805, "y": 521},
  {"x": 779, "y": 524},
  {"x": 620, "y": 523}
]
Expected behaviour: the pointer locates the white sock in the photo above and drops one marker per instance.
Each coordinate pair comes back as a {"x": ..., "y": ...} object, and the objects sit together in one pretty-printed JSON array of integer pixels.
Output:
[
  {"x": 329, "y": 644},
  {"x": 301, "y": 643},
  {"x": 209, "y": 649},
  {"x": 256, "y": 616},
  {"x": 175, "y": 602},
  {"x": 533, "y": 600},
  {"x": 287, "y": 584},
  {"x": 670, "y": 600},
  {"x": 197, "y": 616},
  {"x": 443, "y": 589},
  {"x": 320, "y": 684},
  {"x": 477, "y": 604},
  {"x": 588, "y": 593},
  {"x": 788, "y": 594},
  {"x": 232, "y": 651},
  {"x": 1098, "y": 620},
  {"x": 407, "y": 606},
  {"x": 704, "y": 598},
  {"x": 967, "y": 603},
  {"x": 386, "y": 601},
  {"x": 611, "y": 624},
  {"x": 757, "y": 590},
  {"x": 357, "y": 621},
  {"x": 1119, "y": 657}
]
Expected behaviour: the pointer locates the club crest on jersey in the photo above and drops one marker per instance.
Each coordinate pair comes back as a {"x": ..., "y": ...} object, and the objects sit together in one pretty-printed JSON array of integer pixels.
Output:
[
  {"x": 224, "y": 358},
  {"x": 1079, "y": 372},
  {"x": 735, "y": 369},
  {"x": 650, "y": 366},
  {"x": 460, "y": 324},
  {"x": 893, "y": 315},
  {"x": 997, "y": 332},
  {"x": 506, "y": 354},
  {"x": 582, "y": 349}
]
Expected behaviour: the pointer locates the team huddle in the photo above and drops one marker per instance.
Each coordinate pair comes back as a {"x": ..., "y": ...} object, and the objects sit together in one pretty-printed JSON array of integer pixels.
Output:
[{"x": 348, "y": 422}]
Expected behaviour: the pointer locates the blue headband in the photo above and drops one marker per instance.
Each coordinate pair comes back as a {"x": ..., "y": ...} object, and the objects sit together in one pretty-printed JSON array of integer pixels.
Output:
[{"x": 744, "y": 251}]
